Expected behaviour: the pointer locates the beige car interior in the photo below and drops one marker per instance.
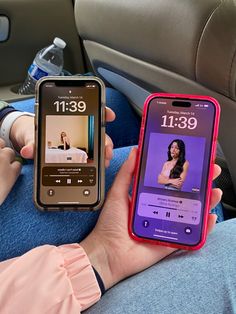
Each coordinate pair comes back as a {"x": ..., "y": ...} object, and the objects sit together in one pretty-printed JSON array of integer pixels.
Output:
[{"x": 138, "y": 47}]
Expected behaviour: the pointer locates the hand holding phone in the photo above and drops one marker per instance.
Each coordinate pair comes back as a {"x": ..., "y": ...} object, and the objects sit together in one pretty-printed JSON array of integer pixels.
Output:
[
  {"x": 110, "y": 240},
  {"x": 70, "y": 143},
  {"x": 171, "y": 195}
]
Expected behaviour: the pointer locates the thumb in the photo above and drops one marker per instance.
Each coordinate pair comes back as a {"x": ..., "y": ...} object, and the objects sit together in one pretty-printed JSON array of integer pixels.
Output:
[
  {"x": 27, "y": 151},
  {"x": 2, "y": 143},
  {"x": 124, "y": 176},
  {"x": 211, "y": 222}
]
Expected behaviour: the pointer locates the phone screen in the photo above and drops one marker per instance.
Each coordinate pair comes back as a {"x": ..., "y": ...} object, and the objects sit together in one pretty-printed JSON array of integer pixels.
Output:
[
  {"x": 69, "y": 143},
  {"x": 173, "y": 177}
]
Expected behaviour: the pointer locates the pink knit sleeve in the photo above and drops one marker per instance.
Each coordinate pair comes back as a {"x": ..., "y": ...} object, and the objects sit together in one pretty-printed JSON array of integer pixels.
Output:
[{"x": 48, "y": 279}]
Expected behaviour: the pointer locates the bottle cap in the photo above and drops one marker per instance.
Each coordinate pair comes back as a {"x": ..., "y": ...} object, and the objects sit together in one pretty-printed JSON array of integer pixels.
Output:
[{"x": 59, "y": 42}]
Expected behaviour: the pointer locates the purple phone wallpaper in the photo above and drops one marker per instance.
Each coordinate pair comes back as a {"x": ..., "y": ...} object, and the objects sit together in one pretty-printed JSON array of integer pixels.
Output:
[
  {"x": 157, "y": 156},
  {"x": 172, "y": 210}
]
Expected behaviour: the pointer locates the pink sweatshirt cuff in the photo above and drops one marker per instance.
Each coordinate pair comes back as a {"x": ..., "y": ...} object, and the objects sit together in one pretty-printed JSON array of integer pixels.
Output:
[
  {"x": 50, "y": 280},
  {"x": 81, "y": 275}
]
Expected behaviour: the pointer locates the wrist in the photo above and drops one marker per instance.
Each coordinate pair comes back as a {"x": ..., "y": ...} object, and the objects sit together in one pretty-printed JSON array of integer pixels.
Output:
[
  {"x": 17, "y": 134},
  {"x": 99, "y": 258}
]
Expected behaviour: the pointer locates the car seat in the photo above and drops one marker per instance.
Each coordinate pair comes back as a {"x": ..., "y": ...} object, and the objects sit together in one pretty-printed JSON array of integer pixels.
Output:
[{"x": 185, "y": 46}]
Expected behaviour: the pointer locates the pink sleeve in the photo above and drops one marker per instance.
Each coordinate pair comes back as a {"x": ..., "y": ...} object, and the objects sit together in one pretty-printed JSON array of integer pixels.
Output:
[{"x": 48, "y": 279}]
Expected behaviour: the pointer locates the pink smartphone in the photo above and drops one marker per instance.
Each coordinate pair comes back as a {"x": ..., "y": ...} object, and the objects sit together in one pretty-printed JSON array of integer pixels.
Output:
[{"x": 173, "y": 177}]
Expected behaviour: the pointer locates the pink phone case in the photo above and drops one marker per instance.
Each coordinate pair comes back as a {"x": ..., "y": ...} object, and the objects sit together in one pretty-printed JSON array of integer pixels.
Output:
[{"x": 209, "y": 185}]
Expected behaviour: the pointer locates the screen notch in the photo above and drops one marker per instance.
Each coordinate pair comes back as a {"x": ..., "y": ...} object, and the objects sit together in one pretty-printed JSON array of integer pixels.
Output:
[{"x": 185, "y": 104}]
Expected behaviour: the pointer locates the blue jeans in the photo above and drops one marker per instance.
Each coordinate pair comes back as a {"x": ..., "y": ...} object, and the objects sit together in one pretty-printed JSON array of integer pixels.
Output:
[
  {"x": 23, "y": 227},
  {"x": 183, "y": 283}
]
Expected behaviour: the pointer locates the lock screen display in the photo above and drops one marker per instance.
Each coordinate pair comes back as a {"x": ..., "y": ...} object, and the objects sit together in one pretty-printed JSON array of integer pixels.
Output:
[
  {"x": 174, "y": 170},
  {"x": 69, "y": 142}
]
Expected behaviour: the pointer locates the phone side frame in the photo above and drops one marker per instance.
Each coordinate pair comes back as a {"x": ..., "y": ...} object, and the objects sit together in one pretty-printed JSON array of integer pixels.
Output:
[
  {"x": 102, "y": 145},
  {"x": 209, "y": 179}
]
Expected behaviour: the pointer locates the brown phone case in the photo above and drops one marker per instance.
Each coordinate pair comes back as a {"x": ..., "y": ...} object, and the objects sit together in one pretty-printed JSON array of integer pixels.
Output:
[{"x": 101, "y": 178}]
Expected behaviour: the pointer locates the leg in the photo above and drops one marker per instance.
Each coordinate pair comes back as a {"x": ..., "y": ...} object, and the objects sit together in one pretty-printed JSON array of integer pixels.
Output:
[
  {"x": 23, "y": 227},
  {"x": 186, "y": 282}
]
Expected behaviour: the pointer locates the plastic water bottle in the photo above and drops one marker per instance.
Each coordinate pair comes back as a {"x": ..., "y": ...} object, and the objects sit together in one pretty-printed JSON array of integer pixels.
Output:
[{"x": 48, "y": 61}]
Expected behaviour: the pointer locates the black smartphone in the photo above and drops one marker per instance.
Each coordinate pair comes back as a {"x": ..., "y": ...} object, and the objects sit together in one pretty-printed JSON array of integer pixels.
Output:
[{"x": 69, "y": 137}]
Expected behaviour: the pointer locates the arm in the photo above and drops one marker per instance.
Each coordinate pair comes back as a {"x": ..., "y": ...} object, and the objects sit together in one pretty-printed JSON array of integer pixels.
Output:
[
  {"x": 64, "y": 143},
  {"x": 22, "y": 136},
  {"x": 162, "y": 179},
  {"x": 17, "y": 129},
  {"x": 185, "y": 171},
  {"x": 9, "y": 170},
  {"x": 68, "y": 140},
  {"x": 179, "y": 182},
  {"x": 165, "y": 180},
  {"x": 64, "y": 272}
]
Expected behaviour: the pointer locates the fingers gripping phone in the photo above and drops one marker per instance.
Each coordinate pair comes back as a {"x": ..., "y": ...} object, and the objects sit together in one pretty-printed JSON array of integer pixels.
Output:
[
  {"x": 171, "y": 195},
  {"x": 70, "y": 133}
]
